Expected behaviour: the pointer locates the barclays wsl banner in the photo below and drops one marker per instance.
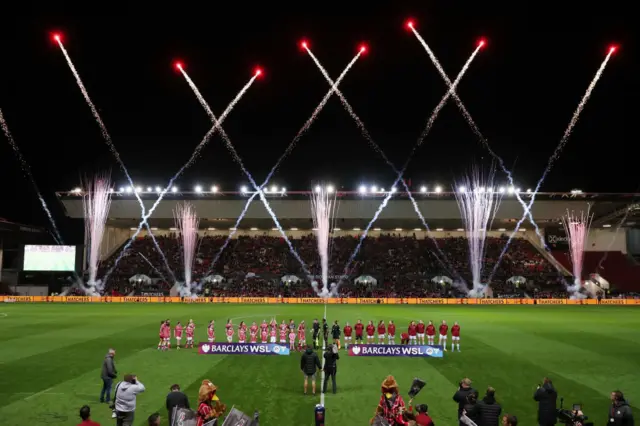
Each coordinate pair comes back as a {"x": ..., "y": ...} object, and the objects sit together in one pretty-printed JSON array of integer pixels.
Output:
[
  {"x": 220, "y": 348},
  {"x": 396, "y": 350}
]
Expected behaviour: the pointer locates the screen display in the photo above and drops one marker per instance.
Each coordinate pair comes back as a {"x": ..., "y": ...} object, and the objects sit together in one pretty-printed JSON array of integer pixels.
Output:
[{"x": 49, "y": 258}]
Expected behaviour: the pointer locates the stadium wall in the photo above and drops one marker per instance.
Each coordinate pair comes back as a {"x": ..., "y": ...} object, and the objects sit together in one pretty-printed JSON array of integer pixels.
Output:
[{"x": 607, "y": 240}]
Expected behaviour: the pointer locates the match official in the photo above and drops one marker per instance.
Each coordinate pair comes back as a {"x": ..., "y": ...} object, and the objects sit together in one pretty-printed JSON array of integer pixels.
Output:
[{"x": 316, "y": 333}]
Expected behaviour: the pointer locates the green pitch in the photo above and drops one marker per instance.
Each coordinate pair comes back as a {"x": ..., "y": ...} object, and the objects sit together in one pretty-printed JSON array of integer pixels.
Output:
[{"x": 51, "y": 355}]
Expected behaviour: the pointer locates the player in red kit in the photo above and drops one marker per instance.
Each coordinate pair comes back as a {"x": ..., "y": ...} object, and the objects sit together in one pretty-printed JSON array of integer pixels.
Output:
[
  {"x": 382, "y": 332},
  {"x": 420, "y": 329},
  {"x": 444, "y": 329},
  {"x": 190, "y": 330},
  {"x": 370, "y": 332},
  {"x": 177, "y": 333},
  {"x": 431, "y": 333},
  {"x": 264, "y": 334},
  {"x": 272, "y": 334},
  {"x": 348, "y": 331},
  {"x": 302, "y": 338},
  {"x": 229, "y": 332},
  {"x": 211, "y": 332},
  {"x": 161, "y": 334},
  {"x": 359, "y": 330},
  {"x": 283, "y": 335},
  {"x": 167, "y": 335},
  {"x": 253, "y": 334},
  {"x": 455, "y": 336},
  {"x": 253, "y": 328},
  {"x": 242, "y": 332},
  {"x": 264, "y": 326},
  {"x": 391, "y": 332},
  {"x": 413, "y": 333}
]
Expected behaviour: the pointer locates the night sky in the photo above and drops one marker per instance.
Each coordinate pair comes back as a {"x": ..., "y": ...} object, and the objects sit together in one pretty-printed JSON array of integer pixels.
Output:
[{"x": 521, "y": 90}]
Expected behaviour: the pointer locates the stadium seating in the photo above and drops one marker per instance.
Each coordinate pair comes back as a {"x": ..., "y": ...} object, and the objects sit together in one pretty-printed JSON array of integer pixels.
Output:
[
  {"x": 616, "y": 267},
  {"x": 403, "y": 266}
]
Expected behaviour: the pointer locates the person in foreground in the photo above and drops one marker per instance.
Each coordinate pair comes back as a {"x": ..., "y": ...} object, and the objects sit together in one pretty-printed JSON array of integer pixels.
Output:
[
  {"x": 461, "y": 396},
  {"x": 331, "y": 358},
  {"x": 85, "y": 415},
  {"x": 620, "y": 413},
  {"x": 547, "y": 397},
  {"x": 209, "y": 406},
  {"x": 125, "y": 399},
  {"x": 107, "y": 375},
  {"x": 391, "y": 407},
  {"x": 310, "y": 364},
  {"x": 176, "y": 399},
  {"x": 488, "y": 409},
  {"x": 509, "y": 420},
  {"x": 154, "y": 419}
]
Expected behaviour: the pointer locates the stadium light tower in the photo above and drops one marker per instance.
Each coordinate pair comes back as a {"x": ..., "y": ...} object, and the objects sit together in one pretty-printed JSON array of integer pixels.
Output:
[{"x": 362, "y": 189}]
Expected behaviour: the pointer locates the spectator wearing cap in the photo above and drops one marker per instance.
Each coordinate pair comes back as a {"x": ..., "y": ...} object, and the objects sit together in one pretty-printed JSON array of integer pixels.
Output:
[
  {"x": 461, "y": 396},
  {"x": 85, "y": 415},
  {"x": 176, "y": 399}
]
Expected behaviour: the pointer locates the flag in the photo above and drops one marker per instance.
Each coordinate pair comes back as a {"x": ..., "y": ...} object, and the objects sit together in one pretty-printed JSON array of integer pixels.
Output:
[
  {"x": 184, "y": 417},
  {"x": 467, "y": 421},
  {"x": 416, "y": 387},
  {"x": 237, "y": 418}
]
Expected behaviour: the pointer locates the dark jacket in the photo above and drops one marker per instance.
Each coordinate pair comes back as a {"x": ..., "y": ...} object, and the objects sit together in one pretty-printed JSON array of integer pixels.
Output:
[
  {"x": 621, "y": 415},
  {"x": 335, "y": 331},
  {"x": 330, "y": 365},
  {"x": 546, "y": 396},
  {"x": 461, "y": 398},
  {"x": 316, "y": 329},
  {"x": 309, "y": 362},
  {"x": 472, "y": 412},
  {"x": 176, "y": 399},
  {"x": 489, "y": 411},
  {"x": 108, "y": 368}
]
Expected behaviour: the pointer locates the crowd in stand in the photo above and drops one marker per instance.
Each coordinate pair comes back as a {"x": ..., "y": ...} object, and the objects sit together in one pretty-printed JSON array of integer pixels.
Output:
[{"x": 401, "y": 265}]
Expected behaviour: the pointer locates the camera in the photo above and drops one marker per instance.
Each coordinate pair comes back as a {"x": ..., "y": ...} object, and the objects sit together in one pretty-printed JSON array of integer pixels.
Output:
[{"x": 573, "y": 417}]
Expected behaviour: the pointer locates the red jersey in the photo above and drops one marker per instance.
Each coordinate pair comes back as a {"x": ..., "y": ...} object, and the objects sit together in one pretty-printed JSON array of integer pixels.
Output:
[
  {"x": 190, "y": 330},
  {"x": 455, "y": 331},
  {"x": 211, "y": 334},
  {"x": 420, "y": 328},
  {"x": 283, "y": 326},
  {"x": 177, "y": 331},
  {"x": 347, "y": 331},
  {"x": 370, "y": 330},
  {"x": 413, "y": 330},
  {"x": 283, "y": 334},
  {"x": 254, "y": 328},
  {"x": 229, "y": 331},
  {"x": 404, "y": 336},
  {"x": 263, "y": 326},
  {"x": 359, "y": 328},
  {"x": 444, "y": 328},
  {"x": 392, "y": 329},
  {"x": 254, "y": 337},
  {"x": 163, "y": 331},
  {"x": 301, "y": 334},
  {"x": 381, "y": 329},
  {"x": 263, "y": 335},
  {"x": 273, "y": 332},
  {"x": 242, "y": 334},
  {"x": 203, "y": 411},
  {"x": 431, "y": 330}
]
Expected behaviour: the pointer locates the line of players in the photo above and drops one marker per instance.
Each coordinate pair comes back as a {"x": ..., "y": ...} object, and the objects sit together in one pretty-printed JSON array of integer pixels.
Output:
[{"x": 268, "y": 333}]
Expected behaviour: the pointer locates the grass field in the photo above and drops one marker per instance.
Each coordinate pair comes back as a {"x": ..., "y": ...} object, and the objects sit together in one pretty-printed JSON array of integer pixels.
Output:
[{"x": 51, "y": 357}]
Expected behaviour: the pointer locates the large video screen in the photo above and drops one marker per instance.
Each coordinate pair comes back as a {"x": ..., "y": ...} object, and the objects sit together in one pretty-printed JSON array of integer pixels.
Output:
[{"x": 49, "y": 258}]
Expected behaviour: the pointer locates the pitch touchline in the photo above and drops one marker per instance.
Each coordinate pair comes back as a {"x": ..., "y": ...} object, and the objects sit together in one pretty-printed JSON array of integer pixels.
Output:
[{"x": 324, "y": 348}]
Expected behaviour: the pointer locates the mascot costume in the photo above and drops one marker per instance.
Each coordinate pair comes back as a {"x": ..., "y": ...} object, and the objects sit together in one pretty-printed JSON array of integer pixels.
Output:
[
  {"x": 209, "y": 405},
  {"x": 391, "y": 409}
]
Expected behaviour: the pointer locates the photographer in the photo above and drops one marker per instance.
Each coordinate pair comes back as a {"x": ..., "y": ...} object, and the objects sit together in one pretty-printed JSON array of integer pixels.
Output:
[
  {"x": 461, "y": 396},
  {"x": 309, "y": 364},
  {"x": 125, "y": 399},
  {"x": 331, "y": 357},
  {"x": 488, "y": 409},
  {"x": 546, "y": 396},
  {"x": 620, "y": 413},
  {"x": 471, "y": 407},
  {"x": 316, "y": 333}
]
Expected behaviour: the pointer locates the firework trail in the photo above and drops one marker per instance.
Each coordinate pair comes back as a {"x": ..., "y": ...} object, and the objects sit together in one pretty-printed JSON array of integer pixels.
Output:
[
  {"x": 27, "y": 171},
  {"x": 152, "y": 267},
  {"x": 423, "y": 135},
  {"x": 96, "y": 202},
  {"x": 238, "y": 160},
  {"x": 107, "y": 138},
  {"x": 576, "y": 228},
  {"x": 187, "y": 224},
  {"x": 322, "y": 210},
  {"x": 478, "y": 204},
  {"x": 376, "y": 147},
  {"x": 287, "y": 151},
  {"x": 189, "y": 162},
  {"x": 556, "y": 154}
]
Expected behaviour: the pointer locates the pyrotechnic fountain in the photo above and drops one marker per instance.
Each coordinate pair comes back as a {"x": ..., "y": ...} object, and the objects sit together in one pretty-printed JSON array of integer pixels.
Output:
[
  {"x": 96, "y": 202},
  {"x": 187, "y": 224},
  {"x": 478, "y": 204},
  {"x": 323, "y": 204},
  {"x": 576, "y": 227}
]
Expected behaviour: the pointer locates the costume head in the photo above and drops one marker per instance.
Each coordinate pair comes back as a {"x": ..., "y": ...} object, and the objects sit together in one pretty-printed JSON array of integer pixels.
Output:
[
  {"x": 389, "y": 387},
  {"x": 207, "y": 395}
]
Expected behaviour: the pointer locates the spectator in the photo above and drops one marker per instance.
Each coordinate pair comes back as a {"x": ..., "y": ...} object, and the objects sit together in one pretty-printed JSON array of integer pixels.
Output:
[
  {"x": 154, "y": 419},
  {"x": 125, "y": 399},
  {"x": 423, "y": 418},
  {"x": 461, "y": 395},
  {"x": 471, "y": 407},
  {"x": 509, "y": 420},
  {"x": 310, "y": 364},
  {"x": 85, "y": 415},
  {"x": 620, "y": 413},
  {"x": 546, "y": 396},
  {"x": 108, "y": 373},
  {"x": 331, "y": 357},
  {"x": 489, "y": 410},
  {"x": 176, "y": 399}
]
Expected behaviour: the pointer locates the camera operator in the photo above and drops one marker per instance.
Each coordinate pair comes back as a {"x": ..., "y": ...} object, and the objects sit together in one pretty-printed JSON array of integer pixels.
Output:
[
  {"x": 461, "y": 396},
  {"x": 125, "y": 399},
  {"x": 316, "y": 333},
  {"x": 331, "y": 357},
  {"x": 488, "y": 409},
  {"x": 620, "y": 413},
  {"x": 546, "y": 396}
]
